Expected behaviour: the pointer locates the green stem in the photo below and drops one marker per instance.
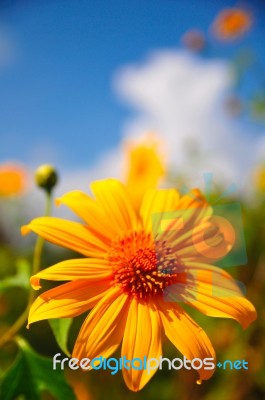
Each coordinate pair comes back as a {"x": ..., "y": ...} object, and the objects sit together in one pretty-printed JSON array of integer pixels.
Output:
[{"x": 8, "y": 335}]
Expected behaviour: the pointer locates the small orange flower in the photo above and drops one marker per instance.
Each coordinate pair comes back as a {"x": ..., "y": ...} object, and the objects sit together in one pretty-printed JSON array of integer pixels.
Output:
[
  {"x": 138, "y": 267},
  {"x": 12, "y": 179},
  {"x": 145, "y": 167},
  {"x": 232, "y": 23},
  {"x": 194, "y": 40}
]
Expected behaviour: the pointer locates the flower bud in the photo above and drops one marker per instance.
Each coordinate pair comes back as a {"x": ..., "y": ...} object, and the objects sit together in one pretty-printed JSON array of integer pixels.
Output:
[{"x": 46, "y": 177}]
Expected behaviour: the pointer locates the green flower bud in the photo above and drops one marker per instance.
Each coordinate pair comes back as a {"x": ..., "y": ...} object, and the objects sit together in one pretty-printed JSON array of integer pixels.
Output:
[{"x": 46, "y": 177}]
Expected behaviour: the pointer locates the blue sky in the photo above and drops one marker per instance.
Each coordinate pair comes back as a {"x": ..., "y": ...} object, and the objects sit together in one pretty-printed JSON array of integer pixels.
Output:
[{"x": 56, "y": 92}]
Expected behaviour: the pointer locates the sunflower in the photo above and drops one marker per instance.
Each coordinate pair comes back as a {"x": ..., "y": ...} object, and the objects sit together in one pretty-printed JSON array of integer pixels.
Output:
[
  {"x": 12, "y": 179},
  {"x": 138, "y": 268},
  {"x": 232, "y": 23}
]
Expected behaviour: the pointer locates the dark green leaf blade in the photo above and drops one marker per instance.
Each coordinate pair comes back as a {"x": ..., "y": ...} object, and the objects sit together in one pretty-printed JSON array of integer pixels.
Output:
[
  {"x": 60, "y": 328},
  {"x": 31, "y": 374},
  {"x": 21, "y": 279}
]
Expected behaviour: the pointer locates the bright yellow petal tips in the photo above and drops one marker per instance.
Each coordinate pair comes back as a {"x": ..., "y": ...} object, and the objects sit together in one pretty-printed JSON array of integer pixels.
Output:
[
  {"x": 68, "y": 300},
  {"x": 142, "y": 338},
  {"x": 72, "y": 235},
  {"x": 214, "y": 292},
  {"x": 143, "y": 255},
  {"x": 188, "y": 337},
  {"x": 25, "y": 230},
  {"x": 95, "y": 270},
  {"x": 35, "y": 282}
]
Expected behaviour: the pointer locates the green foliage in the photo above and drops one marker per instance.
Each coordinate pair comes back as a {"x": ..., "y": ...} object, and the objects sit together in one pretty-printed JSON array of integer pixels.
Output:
[
  {"x": 31, "y": 374},
  {"x": 20, "y": 279},
  {"x": 258, "y": 107},
  {"x": 60, "y": 328}
]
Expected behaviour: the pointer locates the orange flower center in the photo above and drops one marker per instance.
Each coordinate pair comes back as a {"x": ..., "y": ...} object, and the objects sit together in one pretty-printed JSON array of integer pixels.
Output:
[{"x": 141, "y": 266}]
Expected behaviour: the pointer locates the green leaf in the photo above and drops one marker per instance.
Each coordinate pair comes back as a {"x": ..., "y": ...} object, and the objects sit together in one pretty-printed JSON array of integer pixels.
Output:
[
  {"x": 258, "y": 107},
  {"x": 21, "y": 279},
  {"x": 31, "y": 374},
  {"x": 60, "y": 328}
]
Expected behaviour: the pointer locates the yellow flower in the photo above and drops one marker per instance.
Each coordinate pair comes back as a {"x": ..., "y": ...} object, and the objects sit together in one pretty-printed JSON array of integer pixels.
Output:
[
  {"x": 232, "y": 23},
  {"x": 259, "y": 178},
  {"x": 145, "y": 168},
  {"x": 138, "y": 267},
  {"x": 12, "y": 179}
]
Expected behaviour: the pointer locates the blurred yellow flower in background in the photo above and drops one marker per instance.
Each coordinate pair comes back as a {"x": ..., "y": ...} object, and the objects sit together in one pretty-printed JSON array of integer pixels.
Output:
[
  {"x": 12, "y": 179},
  {"x": 145, "y": 167},
  {"x": 232, "y": 23},
  {"x": 259, "y": 178},
  {"x": 136, "y": 271}
]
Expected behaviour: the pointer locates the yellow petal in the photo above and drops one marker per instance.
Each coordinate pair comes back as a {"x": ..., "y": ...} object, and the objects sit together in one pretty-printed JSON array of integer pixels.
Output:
[
  {"x": 71, "y": 235},
  {"x": 70, "y": 270},
  {"x": 90, "y": 211},
  {"x": 208, "y": 240},
  {"x": 67, "y": 300},
  {"x": 214, "y": 292},
  {"x": 192, "y": 199},
  {"x": 156, "y": 204},
  {"x": 192, "y": 208},
  {"x": 114, "y": 199},
  {"x": 142, "y": 338},
  {"x": 102, "y": 331},
  {"x": 188, "y": 337}
]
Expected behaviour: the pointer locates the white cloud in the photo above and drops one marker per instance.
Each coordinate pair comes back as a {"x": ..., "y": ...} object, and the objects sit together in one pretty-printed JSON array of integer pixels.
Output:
[{"x": 180, "y": 96}]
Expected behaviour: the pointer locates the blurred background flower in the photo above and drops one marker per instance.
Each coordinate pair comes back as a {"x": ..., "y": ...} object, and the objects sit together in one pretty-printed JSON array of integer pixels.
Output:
[
  {"x": 145, "y": 167},
  {"x": 13, "y": 179},
  {"x": 194, "y": 40},
  {"x": 232, "y": 23}
]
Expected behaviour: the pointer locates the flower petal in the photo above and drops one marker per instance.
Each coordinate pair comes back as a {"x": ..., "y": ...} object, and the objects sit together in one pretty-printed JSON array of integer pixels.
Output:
[
  {"x": 94, "y": 269},
  {"x": 142, "y": 338},
  {"x": 114, "y": 199},
  {"x": 90, "y": 211},
  {"x": 193, "y": 213},
  {"x": 155, "y": 204},
  {"x": 214, "y": 292},
  {"x": 192, "y": 199},
  {"x": 207, "y": 241},
  {"x": 67, "y": 300},
  {"x": 188, "y": 337},
  {"x": 71, "y": 235},
  {"x": 102, "y": 331}
]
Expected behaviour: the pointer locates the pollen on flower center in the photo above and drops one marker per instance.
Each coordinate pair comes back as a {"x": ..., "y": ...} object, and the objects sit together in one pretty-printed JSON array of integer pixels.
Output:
[{"x": 141, "y": 266}]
